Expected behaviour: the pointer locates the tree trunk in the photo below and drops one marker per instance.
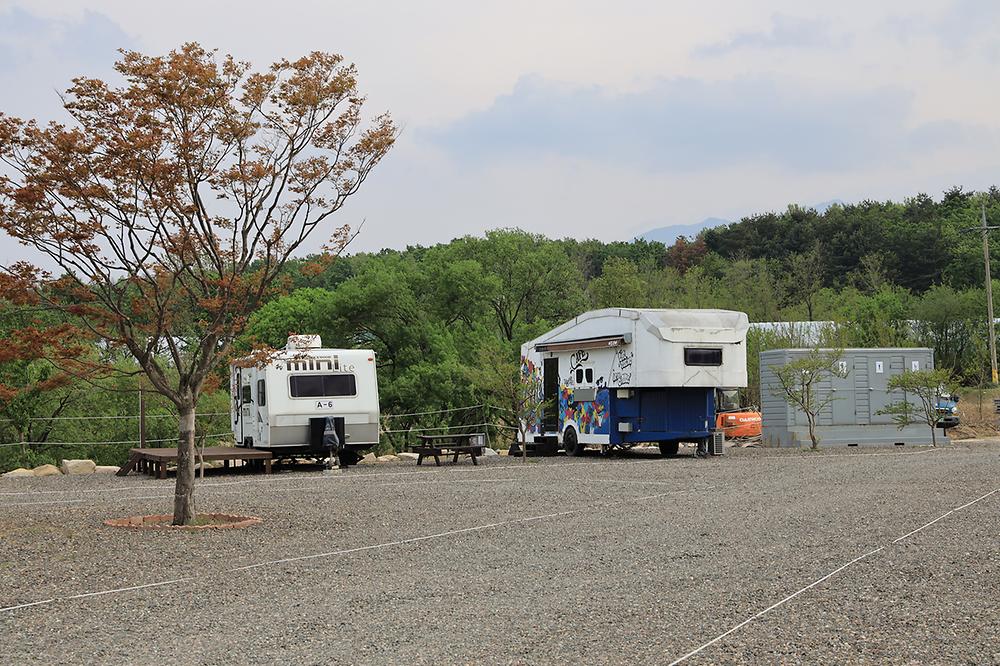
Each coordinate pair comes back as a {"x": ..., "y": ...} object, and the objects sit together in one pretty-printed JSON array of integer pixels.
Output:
[
  {"x": 812, "y": 432},
  {"x": 933, "y": 435},
  {"x": 184, "y": 490}
]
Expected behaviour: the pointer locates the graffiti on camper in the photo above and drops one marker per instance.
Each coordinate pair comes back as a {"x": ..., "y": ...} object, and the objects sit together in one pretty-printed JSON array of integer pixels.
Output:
[
  {"x": 531, "y": 375},
  {"x": 621, "y": 367},
  {"x": 578, "y": 359},
  {"x": 590, "y": 417}
]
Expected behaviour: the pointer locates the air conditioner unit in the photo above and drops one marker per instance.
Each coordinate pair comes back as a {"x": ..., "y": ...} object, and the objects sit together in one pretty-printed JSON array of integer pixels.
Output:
[{"x": 718, "y": 443}]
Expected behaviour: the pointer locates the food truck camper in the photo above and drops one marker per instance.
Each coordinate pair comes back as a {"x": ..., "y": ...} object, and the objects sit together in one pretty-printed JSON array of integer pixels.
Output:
[{"x": 618, "y": 377}]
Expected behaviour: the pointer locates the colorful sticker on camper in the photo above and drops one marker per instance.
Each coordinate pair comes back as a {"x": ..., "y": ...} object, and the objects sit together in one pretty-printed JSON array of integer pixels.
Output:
[{"x": 590, "y": 417}]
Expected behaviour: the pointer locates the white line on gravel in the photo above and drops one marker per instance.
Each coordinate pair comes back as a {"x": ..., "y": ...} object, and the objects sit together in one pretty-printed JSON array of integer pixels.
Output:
[
  {"x": 79, "y": 501},
  {"x": 127, "y": 589},
  {"x": 773, "y": 606},
  {"x": 820, "y": 580},
  {"x": 33, "y": 603},
  {"x": 401, "y": 542},
  {"x": 909, "y": 534},
  {"x": 502, "y": 523},
  {"x": 384, "y": 484},
  {"x": 378, "y": 546},
  {"x": 114, "y": 490},
  {"x": 452, "y": 471},
  {"x": 266, "y": 481},
  {"x": 96, "y": 594}
]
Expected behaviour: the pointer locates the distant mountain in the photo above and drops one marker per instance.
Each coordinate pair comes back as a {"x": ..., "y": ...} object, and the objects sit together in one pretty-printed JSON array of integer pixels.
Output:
[
  {"x": 668, "y": 235},
  {"x": 823, "y": 206}
]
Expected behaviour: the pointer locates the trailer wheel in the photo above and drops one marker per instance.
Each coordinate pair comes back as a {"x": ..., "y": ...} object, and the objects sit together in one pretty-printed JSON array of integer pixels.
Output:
[
  {"x": 669, "y": 449},
  {"x": 571, "y": 444}
]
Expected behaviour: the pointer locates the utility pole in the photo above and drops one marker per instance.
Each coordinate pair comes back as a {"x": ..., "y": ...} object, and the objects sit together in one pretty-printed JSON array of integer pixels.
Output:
[{"x": 985, "y": 230}]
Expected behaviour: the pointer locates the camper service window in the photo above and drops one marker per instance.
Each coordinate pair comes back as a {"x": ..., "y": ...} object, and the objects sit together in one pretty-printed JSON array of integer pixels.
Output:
[
  {"x": 696, "y": 356},
  {"x": 322, "y": 386}
]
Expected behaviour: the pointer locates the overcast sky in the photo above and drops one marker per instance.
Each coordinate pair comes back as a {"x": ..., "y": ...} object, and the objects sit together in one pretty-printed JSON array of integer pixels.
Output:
[{"x": 591, "y": 119}]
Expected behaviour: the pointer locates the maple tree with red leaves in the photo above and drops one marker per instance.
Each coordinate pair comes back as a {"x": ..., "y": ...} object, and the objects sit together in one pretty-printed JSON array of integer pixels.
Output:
[{"x": 170, "y": 205}]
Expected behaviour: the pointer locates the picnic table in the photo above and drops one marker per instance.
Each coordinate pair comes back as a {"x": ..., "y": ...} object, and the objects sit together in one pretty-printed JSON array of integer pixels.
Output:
[{"x": 463, "y": 444}]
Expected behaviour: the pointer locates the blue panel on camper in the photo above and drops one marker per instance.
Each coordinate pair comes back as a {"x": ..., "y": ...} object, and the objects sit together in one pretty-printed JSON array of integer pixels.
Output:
[{"x": 663, "y": 414}]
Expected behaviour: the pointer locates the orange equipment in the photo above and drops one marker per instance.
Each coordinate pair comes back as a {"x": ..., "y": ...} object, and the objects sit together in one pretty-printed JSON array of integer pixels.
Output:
[{"x": 739, "y": 424}]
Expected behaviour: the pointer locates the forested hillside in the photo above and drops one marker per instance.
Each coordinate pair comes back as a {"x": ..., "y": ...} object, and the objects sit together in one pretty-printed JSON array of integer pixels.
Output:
[{"x": 447, "y": 321}]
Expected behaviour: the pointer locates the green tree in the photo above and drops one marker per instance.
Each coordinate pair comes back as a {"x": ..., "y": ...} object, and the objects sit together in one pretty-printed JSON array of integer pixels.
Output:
[
  {"x": 527, "y": 279},
  {"x": 948, "y": 321},
  {"x": 300, "y": 312},
  {"x": 619, "y": 285},
  {"x": 926, "y": 386},
  {"x": 799, "y": 380}
]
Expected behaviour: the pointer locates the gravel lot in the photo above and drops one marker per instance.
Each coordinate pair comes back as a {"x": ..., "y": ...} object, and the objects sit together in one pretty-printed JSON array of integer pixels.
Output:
[{"x": 631, "y": 560}]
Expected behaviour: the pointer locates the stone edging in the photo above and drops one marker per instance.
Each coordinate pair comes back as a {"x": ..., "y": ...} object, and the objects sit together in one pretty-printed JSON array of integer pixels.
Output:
[{"x": 162, "y": 522}]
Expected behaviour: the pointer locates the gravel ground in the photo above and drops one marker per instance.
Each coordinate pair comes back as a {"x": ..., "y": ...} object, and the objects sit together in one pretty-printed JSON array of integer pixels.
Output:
[{"x": 632, "y": 560}]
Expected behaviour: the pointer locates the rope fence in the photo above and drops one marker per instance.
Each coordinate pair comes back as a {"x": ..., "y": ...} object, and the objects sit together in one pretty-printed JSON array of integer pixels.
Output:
[
  {"x": 127, "y": 441},
  {"x": 483, "y": 423},
  {"x": 95, "y": 418}
]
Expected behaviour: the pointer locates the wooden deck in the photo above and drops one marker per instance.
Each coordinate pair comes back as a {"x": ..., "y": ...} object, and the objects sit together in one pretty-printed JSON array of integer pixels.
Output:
[{"x": 154, "y": 461}]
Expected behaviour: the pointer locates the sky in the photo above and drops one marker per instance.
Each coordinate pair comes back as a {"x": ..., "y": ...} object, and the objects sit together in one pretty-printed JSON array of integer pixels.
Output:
[{"x": 590, "y": 119}]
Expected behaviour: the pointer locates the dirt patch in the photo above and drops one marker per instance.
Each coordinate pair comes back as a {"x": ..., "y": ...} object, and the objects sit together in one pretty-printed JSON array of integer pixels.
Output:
[
  {"x": 202, "y": 521},
  {"x": 973, "y": 431}
]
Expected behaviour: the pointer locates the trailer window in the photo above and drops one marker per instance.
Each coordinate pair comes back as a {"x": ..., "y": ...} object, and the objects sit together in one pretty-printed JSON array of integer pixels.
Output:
[
  {"x": 245, "y": 394},
  {"x": 261, "y": 393},
  {"x": 322, "y": 386},
  {"x": 696, "y": 356},
  {"x": 579, "y": 375}
]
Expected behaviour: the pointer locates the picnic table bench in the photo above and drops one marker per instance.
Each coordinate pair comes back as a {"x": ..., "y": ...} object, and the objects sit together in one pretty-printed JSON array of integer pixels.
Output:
[
  {"x": 154, "y": 461},
  {"x": 464, "y": 444}
]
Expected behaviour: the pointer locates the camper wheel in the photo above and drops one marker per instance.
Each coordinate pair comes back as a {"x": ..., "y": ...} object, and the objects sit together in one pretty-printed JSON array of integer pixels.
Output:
[
  {"x": 669, "y": 449},
  {"x": 571, "y": 444}
]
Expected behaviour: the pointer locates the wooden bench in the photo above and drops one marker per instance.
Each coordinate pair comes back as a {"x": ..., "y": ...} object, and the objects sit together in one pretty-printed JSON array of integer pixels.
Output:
[
  {"x": 465, "y": 444},
  {"x": 154, "y": 461}
]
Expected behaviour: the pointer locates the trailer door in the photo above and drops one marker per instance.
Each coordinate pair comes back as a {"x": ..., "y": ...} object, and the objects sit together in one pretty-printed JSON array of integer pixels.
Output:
[{"x": 550, "y": 389}]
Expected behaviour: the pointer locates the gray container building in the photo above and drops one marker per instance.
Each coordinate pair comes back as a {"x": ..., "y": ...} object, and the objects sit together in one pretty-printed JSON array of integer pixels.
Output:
[{"x": 852, "y": 418}]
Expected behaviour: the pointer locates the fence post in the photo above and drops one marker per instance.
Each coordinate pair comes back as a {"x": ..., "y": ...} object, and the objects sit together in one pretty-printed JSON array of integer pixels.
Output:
[{"x": 142, "y": 419}]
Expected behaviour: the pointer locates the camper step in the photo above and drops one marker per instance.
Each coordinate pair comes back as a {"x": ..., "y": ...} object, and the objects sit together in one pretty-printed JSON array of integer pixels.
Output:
[{"x": 535, "y": 449}]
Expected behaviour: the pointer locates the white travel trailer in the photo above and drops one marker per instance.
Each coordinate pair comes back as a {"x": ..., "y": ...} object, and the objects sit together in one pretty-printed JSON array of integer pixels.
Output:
[
  {"x": 621, "y": 376},
  {"x": 284, "y": 404}
]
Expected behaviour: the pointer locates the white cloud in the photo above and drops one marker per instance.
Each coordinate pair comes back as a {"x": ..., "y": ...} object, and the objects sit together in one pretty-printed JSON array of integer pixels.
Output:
[{"x": 619, "y": 123}]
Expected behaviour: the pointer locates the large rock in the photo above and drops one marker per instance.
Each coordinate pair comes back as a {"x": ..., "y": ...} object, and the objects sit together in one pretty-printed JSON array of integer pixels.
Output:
[
  {"x": 78, "y": 466},
  {"x": 408, "y": 456},
  {"x": 368, "y": 459},
  {"x": 20, "y": 471},
  {"x": 46, "y": 470},
  {"x": 106, "y": 469},
  {"x": 388, "y": 458}
]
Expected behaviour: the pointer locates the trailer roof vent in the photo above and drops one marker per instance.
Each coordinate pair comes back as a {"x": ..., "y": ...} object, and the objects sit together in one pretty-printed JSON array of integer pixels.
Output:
[{"x": 297, "y": 342}]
